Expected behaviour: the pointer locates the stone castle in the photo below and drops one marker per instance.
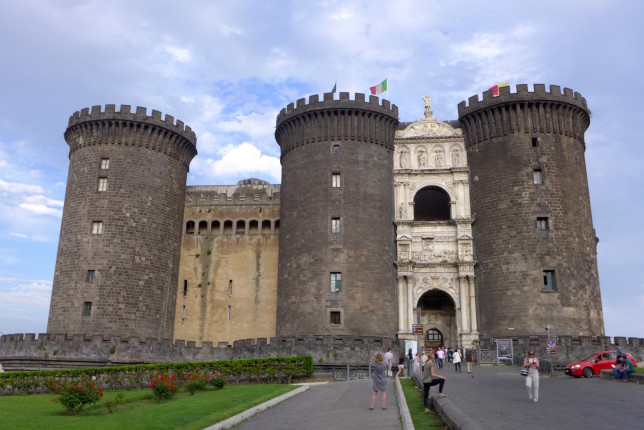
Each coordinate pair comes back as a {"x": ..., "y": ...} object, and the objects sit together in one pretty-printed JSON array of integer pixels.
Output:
[{"x": 476, "y": 228}]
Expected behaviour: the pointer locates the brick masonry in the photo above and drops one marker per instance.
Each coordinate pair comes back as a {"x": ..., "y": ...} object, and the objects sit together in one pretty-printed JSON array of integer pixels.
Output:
[
  {"x": 507, "y": 138},
  {"x": 136, "y": 256}
]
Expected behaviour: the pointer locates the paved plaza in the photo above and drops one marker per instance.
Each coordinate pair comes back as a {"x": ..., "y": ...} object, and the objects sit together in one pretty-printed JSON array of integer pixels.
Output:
[{"x": 495, "y": 398}]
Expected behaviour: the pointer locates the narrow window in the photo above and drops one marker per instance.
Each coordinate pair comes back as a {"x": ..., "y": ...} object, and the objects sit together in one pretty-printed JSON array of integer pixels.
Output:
[
  {"x": 102, "y": 184},
  {"x": 335, "y": 180},
  {"x": 336, "y": 149},
  {"x": 549, "y": 283},
  {"x": 87, "y": 309},
  {"x": 535, "y": 142},
  {"x": 90, "y": 276},
  {"x": 542, "y": 223},
  {"x": 335, "y": 317},
  {"x": 336, "y": 282},
  {"x": 97, "y": 227},
  {"x": 537, "y": 177},
  {"x": 335, "y": 225},
  {"x": 229, "y": 312},
  {"x": 183, "y": 313},
  {"x": 185, "y": 287},
  {"x": 230, "y": 288},
  {"x": 105, "y": 163}
]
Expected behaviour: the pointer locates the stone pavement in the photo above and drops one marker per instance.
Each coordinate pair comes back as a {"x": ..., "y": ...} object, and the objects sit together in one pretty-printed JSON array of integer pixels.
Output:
[
  {"x": 496, "y": 398},
  {"x": 336, "y": 406}
]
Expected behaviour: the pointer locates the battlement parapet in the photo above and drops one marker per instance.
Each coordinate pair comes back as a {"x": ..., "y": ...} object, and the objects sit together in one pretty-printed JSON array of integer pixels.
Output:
[
  {"x": 522, "y": 95},
  {"x": 232, "y": 195},
  {"x": 537, "y": 113},
  {"x": 344, "y": 102},
  {"x": 139, "y": 115}
]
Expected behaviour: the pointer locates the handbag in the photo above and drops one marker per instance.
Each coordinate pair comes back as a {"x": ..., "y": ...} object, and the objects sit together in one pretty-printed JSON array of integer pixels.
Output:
[{"x": 524, "y": 372}]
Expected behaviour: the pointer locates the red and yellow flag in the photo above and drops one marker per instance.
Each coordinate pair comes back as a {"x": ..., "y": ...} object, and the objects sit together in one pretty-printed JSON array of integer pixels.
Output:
[{"x": 495, "y": 88}]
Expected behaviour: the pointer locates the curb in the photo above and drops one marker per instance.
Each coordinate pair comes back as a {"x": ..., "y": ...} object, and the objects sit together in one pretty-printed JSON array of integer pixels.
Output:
[
  {"x": 234, "y": 420},
  {"x": 452, "y": 415},
  {"x": 405, "y": 417}
]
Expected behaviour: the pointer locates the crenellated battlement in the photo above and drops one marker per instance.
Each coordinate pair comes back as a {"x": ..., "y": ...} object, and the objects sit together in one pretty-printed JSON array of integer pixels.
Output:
[
  {"x": 535, "y": 113},
  {"x": 225, "y": 195},
  {"x": 522, "y": 95},
  {"x": 344, "y": 102},
  {"x": 125, "y": 114}
]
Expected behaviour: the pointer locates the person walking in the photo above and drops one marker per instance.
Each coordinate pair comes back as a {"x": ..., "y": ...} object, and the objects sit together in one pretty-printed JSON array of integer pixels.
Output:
[
  {"x": 389, "y": 358},
  {"x": 417, "y": 368},
  {"x": 430, "y": 378},
  {"x": 532, "y": 380},
  {"x": 456, "y": 359},
  {"x": 441, "y": 356},
  {"x": 401, "y": 364},
  {"x": 379, "y": 375}
]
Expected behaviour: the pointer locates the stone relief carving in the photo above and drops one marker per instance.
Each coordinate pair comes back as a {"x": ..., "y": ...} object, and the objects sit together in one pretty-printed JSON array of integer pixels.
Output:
[
  {"x": 402, "y": 211},
  {"x": 456, "y": 157},
  {"x": 439, "y": 157},
  {"x": 422, "y": 158},
  {"x": 404, "y": 159}
]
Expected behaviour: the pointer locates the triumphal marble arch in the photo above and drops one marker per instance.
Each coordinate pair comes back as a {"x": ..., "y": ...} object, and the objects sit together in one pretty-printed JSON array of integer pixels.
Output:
[{"x": 434, "y": 233}]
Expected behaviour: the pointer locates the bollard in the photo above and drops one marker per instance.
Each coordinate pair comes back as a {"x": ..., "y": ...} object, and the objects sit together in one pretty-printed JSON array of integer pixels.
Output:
[{"x": 348, "y": 374}]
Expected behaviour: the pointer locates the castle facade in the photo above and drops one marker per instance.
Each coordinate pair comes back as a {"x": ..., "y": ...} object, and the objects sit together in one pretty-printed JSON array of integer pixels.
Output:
[{"x": 473, "y": 228}]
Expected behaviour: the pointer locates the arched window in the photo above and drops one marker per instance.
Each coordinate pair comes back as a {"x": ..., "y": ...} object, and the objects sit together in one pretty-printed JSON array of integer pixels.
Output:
[
  {"x": 277, "y": 227},
  {"x": 434, "y": 335},
  {"x": 253, "y": 227},
  {"x": 190, "y": 227},
  {"x": 203, "y": 227},
  {"x": 241, "y": 227},
  {"x": 431, "y": 204},
  {"x": 215, "y": 227},
  {"x": 228, "y": 227},
  {"x": 266, "y": 226}
]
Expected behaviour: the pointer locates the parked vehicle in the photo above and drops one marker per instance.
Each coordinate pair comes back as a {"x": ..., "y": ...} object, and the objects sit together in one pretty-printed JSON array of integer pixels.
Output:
[{"x": 595, "y": 363}]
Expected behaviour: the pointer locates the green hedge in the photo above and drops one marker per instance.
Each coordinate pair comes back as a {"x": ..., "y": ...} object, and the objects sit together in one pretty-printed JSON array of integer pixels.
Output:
[{"x": 117, "y": 377}]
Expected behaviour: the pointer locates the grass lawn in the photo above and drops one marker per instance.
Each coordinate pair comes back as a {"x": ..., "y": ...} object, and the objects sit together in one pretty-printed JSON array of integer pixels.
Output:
[
  {"x": 138, "y": 409},
  {"x": 416, "y": 407}
]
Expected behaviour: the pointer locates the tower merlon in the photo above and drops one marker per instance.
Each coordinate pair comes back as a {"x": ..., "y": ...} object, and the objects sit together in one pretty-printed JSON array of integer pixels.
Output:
[
  {"x": 522, "y": 95},
  {"x": 344, "y": 101},
  {"x": 125, "y": 114}
]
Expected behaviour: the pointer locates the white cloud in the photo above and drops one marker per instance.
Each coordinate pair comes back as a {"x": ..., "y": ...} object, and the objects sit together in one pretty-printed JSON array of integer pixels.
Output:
[
  {"x": 182, "y": 55},
  {"x": 24, "y": 307},
  {"x": 19, "y": 188},
  {"x": 20, "y": 235},
  {"x": 42, "y": 205},
  {"x": 241, "y": 160}
]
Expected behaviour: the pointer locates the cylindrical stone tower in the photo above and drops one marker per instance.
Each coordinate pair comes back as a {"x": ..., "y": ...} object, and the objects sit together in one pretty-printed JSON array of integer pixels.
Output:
[
  {"x": 336, "y": 273},
  {"x": 120, "y": 238},
  {"x": 533, "y": 230}
]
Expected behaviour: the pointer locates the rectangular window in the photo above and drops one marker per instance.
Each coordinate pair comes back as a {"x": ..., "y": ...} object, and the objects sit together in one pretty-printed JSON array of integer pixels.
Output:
[
  {"x": 335, "y": 317},
  {"x": 229, "y": 312},
  {"x": 336, "y": 149},
  {"x": 102, "y": 184},
  {"x": 335, "y": 225},
  {"x": 97, "y": 227},
  {"x": 87, "y": 309},
  {"x": 185, "y": 287},
  {"x": 535, "y": 142},
  {"x": 549, "y": 283},
  {"x": 542, "y": 223},
  {"x": 183, "y": 313},
  {"x": 336, "y": 180},
  {"x": 336, "y": 282},
  {"x": 230, "y": 288},
  {"x": 537, "y": 177},
  {"x": 105, "y": 163},
  {"x": 90, "y": 276}
]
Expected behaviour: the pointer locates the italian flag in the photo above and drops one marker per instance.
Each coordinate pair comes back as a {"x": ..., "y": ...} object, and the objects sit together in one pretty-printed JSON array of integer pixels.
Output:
[
  {"x": 495, "y": 88},
  {"x": 381, "y": 87}
]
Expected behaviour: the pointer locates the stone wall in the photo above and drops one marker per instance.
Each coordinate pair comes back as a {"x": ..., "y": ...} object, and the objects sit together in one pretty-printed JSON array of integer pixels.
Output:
[{"x": 26, "y": 351}]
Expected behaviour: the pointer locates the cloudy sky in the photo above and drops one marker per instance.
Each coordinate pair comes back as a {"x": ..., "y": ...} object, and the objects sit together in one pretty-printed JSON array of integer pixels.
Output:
[{"x": 226, "y": 68}]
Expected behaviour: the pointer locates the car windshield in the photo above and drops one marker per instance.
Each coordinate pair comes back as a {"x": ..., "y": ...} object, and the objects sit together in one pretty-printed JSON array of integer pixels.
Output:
[{"x": 590, "y": 357}]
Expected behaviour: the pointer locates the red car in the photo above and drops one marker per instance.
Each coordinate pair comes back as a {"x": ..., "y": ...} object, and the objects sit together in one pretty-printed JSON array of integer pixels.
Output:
[{"x": 594, "y": 363}]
